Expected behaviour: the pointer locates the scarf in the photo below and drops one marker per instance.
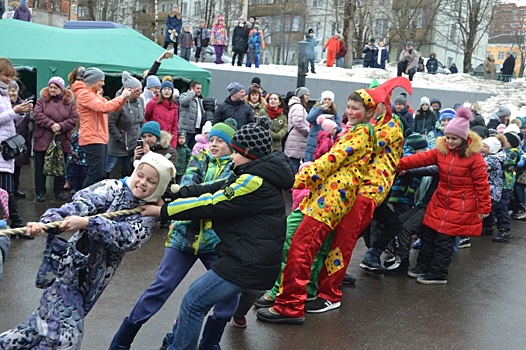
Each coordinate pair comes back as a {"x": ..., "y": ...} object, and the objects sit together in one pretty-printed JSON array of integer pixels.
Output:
[{"x": 273, "y": 113}]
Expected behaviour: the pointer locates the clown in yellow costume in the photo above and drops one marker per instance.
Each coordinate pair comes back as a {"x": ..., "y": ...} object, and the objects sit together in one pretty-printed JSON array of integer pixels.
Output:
[{"x": 346, "y": 185}]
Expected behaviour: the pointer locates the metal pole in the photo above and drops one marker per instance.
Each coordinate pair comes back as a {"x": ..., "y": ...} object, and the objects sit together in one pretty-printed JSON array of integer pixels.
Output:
[{"x": 302, "y": 63}]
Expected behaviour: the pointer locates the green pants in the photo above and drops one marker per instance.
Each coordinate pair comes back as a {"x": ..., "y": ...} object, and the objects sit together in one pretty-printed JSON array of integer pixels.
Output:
[{"x": 293, "y": 221}]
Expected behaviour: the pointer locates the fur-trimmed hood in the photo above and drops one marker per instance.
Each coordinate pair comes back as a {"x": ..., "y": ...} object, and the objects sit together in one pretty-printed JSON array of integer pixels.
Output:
[
  {"x": 67, "y": 98},
  {"x": 474, "y": 144}
]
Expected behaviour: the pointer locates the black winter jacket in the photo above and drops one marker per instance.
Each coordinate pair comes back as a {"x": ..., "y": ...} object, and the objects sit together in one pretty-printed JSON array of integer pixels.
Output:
[
  {"x": 239, "y": 110},
  {"x": 240, "y": 39},
  {"x": 248, "y": 215}
]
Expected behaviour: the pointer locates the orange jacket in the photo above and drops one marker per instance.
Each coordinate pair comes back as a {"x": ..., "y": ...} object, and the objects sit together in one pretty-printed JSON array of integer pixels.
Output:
[
  {"x": 92, "y": 110},
  {"x": 333, "y": 44}
]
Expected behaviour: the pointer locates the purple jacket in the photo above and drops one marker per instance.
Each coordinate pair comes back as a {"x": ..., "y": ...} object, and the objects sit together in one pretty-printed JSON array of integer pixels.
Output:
[
  {"x": 22, "y": 13},
  {"x": 49, "y": 110}
]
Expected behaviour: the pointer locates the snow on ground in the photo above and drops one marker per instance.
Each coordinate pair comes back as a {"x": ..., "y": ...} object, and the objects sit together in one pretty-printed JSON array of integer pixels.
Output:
[{"x": 512, "y": 95}]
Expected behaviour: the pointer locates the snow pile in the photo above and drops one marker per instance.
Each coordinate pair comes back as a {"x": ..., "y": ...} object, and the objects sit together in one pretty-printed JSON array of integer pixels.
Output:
[{"x": 512, "y": 95}]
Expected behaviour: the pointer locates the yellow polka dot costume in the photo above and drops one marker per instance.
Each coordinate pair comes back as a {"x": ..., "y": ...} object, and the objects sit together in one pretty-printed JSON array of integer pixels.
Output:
[{"x": 362, "y": 161}]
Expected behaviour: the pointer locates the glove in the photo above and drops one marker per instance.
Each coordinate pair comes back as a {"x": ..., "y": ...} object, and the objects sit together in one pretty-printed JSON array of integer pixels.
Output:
[{"x": 323, "y": 50}]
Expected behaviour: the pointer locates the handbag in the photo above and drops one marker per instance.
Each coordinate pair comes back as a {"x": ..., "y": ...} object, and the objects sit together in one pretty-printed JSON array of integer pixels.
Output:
[
  {"x": 13, "y": 147},
  {"x": 54, "y": 164}
]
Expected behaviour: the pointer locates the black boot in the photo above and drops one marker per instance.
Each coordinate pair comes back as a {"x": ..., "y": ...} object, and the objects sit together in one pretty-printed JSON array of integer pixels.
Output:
[
  {"x": 124, "y": 337},
  {"x": 212, "y": 334},
  {"x": 16, "y": 220}
]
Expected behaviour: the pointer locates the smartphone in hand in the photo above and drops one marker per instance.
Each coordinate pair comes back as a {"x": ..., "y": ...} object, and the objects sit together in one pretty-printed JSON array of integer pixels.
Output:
[{"x": 140, "y": 143}]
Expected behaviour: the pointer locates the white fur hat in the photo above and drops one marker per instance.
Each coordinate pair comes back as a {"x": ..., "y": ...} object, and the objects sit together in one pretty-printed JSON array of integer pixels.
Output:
[{"x": 164, "y": 167}]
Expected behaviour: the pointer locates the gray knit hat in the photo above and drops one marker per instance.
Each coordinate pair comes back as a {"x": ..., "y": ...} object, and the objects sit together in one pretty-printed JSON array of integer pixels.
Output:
[
  {"x": 93, "y": 75},
  {"x": 301, "y": 91},
  {"x": 234, "y": 88},
  {"x": 130, "y": 82}
]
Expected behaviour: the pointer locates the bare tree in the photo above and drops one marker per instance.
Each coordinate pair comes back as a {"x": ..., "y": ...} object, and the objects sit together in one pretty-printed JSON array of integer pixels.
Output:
[
  {"x": 349, "y": 11},
  {"x": 473, "y": 18}
]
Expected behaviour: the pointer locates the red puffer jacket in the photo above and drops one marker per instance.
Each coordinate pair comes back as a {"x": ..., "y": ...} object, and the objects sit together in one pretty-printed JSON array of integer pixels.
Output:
[
  {"x": 463, "y": 189},
  {"x": 166, "y": 114}
]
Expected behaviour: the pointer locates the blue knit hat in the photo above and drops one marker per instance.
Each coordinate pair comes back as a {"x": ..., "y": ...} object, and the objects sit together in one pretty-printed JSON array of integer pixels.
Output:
[
  {"x": 151, "y": 127},
  {"x": 167, "y": 84},
  {"x": 448, "y": 113},
  {"x": 152, "y": 81}
]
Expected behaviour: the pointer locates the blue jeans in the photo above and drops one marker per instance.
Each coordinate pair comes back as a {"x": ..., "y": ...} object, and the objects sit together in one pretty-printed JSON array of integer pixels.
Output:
[
  {"x": 111, "y": 162},
  {"x": 339, "y": 62},
  {"x": 295, "y": 162},
  {"x": 204, "y": 293},
  {"x": 519, "y": 191}
]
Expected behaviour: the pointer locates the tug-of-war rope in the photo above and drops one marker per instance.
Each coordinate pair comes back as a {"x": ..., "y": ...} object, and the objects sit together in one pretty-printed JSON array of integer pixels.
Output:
[{"x": 45, "y": 227}]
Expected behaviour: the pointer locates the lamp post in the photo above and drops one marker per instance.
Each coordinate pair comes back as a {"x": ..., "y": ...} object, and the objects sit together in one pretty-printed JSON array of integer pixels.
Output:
[{"x": 302, "y": 63}]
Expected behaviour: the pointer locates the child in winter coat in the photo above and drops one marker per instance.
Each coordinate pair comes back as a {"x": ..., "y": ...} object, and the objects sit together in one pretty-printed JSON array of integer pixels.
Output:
[
  {"x": 186, "y": 41},
  {"x": 188, "y": 241},
  {"x": 183, "y": 156},
  {"x": 74, "y": 273},
  {"x": 77, "y": 164},
  {"x": 460, "y": 202},
  {"x": 490, "y": 147},
  {"x": 164, "y": 110},
  {"x": 509, "y": 156},
  {"x": 255, "y": 44},
  {"x": 201, "y": 140},
  {"x": 446, "y": 116},
  {"x": 219, "y": 38},
  {"x": 326, "y": 137},
  {"x": 201, "y": 39},
  {"x": 249, "y": 219}
]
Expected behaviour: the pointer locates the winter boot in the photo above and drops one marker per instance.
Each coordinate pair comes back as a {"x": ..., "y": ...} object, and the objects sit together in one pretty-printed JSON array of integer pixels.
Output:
[
  {"x": 124, "y": 337},
  {"x": 371, "y": 261},
  {"x": 520, "y": 214},
  {"x": 398, "y": 268},
  {"x": 502, "y": 236},
  {"x": 212, "y": 334}
]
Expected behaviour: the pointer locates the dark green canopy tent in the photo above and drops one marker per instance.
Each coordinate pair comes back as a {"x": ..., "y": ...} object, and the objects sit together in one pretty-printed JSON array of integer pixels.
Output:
[{"x": 55, "y": 51}]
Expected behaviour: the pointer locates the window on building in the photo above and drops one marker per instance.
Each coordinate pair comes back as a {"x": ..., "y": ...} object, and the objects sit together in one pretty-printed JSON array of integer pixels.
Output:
[
  {"x": 381, "y": 27},
  {"x": 449, "y": 61},
  {"x": 166, "y": 8},
  {"x": 74, "y": 9},
  {"x": 82, "y": 12},
  {"x": 317, "y": 3},
  {"x": 500, "y": 55},
  {"x": 197, "y": 8},
  {"x": 184, "y": 7}
]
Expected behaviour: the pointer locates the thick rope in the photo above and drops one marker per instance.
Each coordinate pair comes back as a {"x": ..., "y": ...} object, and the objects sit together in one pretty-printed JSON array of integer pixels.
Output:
[{"x": 110, "y": 215}]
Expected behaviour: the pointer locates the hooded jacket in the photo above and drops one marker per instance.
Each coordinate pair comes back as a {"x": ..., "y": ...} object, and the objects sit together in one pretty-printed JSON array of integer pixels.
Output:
[
  {"x": 296, "y": 143},
  {"x": 8, "y": 118},
  {"x": 312, "y": 139},
  {"x": 22, "y": 13},
  {"x": 188, "y": 109},
  {"x": 49, "y": 109},
  {"x": 197, "y": 236},
  {"x": 240, "y": 39},
  {"x": 124, "y": 127},
  {"x": 424, "y": 121},
  {"x": 463, "y": 191},
  {"x": 164, "y": 113},
  {"x": 248, "y": 215}
]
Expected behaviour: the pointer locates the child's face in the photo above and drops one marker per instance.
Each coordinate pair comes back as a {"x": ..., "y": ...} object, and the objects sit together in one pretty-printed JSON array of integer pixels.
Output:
[
  {"x": 186, "y": 28},
  {"x": 181, "y": 140},
  {"x": 485, "y": 149},
  {"x": 334, "y": 131},
  {"x": 205, "y": 134},
  {"x": 166, "y": 92},
  {"x": 149, "y": 139},
  {"x": 445, "y": 122},
  {"x": 218, "y": 147},
  {"x": 144, "y": 181},
  {"x": 356, "y": 113},
  {"x": 453, "y": 141},
  {"x": 398, "y": 107},
  {"x": 238, "y": 159}
]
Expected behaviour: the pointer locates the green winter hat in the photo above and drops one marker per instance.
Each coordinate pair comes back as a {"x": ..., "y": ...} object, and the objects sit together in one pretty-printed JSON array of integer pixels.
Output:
[
  {"x": 224, "y": 130},
  {"x": 416, "y": 141}
]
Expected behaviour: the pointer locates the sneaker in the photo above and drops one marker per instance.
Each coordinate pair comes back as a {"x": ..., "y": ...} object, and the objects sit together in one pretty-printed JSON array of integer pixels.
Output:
[
  {"x": 371, "y": 261},
  {"x": 264, "y": 302},
  {"x": 271, "y": 316},
  {"x": 518, "y": 216},
  {"x": 349, "y": 280},
  {"x": 428, "y": 278},
  {"x": 502, "y": 236},
  {"x": 399, "y": 268},
  {"x": 416, "y": 272},
  {"x": 417, "y": 244},
  {"x": 240, "y": 322},
  {"x": 320, "y": 305},
  {"x": 394, "y": 260},
  {"x": 464, "y": 243},
  {"x": 311, "y": 298}
]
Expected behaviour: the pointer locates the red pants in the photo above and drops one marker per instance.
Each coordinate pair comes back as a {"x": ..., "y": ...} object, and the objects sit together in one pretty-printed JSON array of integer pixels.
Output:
[
  {"x": 331, "y": 56},
  {"x": 305, "y": 244}
]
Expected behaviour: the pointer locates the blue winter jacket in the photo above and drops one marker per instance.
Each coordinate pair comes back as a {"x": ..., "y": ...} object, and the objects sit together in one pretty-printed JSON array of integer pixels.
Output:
[{"x": 312, "y": 139}]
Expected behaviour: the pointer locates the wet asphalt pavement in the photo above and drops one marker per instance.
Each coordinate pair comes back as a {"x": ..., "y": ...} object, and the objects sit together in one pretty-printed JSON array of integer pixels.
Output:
[{"x": 483, "y": 306}]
